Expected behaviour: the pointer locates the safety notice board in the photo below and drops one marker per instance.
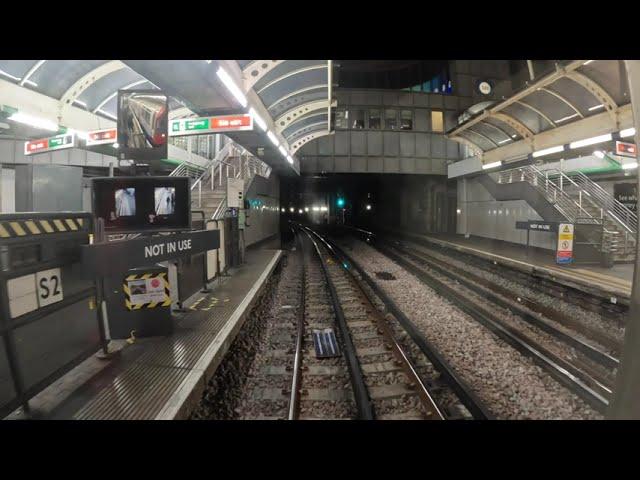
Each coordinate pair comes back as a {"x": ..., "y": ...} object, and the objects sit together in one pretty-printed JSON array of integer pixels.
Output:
[{"x": 564, "y": 253}]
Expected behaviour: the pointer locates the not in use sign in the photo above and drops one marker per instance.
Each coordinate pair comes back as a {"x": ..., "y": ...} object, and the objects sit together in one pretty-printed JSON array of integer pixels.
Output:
[{"x": 564, "y": 253}]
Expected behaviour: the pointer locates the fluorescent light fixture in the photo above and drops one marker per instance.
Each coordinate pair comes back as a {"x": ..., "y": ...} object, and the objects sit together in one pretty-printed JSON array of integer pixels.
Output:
[
  {"x": 33, "y": 84},
  {"x": 299, "y": 210},
  {"x": 599, "y": 153},
  {"x": 548, "y": 151},
  {"x": 458, "y": 211},
  {"x": 259, "y": 120},
  {"x": 208, "y": 61},
  {"x": 503, "y": 141},
  {"x": 107, "y": 114},
  {"x": 588, "y": 62},
  {"x": 627, "y": 132},
  {"x": 289, "y": 159},
  {"x": 34, "y": 121},
  {"x": 590, "y": 141},
  {"x": 81, "y": 103},
  {"x": 596, "y": 107},
  {"x": 368, "y": 207},
  {"x": 568, "y": 117},
  {"x": 291, "y": 209},
  {"x": 628, "y": 166},
  {"x": 316, "y": 209},
  {"x": 492, "y": 165},
  {"x": 231, "y": 86},
  {"x": 283, "y": 151},
  {"x": 306, "y": 209},
  {"x": 323, "y": 208},
  {"x": 282, "y": 209},
  {"x": 8, "y": 75},
  {"x": 273, "y": 138}
]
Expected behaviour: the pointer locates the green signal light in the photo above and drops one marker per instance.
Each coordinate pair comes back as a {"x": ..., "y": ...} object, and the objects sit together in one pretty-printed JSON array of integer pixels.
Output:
[{"x": 340, "y": 202}]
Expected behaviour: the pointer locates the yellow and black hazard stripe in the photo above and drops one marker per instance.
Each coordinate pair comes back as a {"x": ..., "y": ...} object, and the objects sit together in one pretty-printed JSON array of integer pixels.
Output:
[
  {"x": 31, "y": 227},
  {"x": 137, "y": 306}
]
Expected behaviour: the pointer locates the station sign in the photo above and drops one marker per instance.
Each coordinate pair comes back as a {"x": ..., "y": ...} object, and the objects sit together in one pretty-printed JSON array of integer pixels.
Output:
[
  {"x": 564, "y": 254},
  {"x": 59, "y": 142},
  {"x": 102, "y": 137},
  {"x": 205, "y": 125},
  {"x": 626, "y": 149}
]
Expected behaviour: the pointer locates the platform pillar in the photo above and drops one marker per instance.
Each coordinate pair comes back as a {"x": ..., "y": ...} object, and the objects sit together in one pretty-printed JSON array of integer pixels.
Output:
[{"x": 626, "y": 395}]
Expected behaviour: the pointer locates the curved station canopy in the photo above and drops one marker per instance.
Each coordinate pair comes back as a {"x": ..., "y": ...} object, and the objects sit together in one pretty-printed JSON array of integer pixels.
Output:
[
  {"x": 582, "y": 97},
  {"x": 291, "y": 98}
]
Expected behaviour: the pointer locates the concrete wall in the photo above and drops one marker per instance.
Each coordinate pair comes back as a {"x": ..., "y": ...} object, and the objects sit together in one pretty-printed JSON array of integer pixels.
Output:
[
  {"x": 483, "y": 216},
  {"x": 7, "y": 190},
  {"x": 263, "y": 216}
]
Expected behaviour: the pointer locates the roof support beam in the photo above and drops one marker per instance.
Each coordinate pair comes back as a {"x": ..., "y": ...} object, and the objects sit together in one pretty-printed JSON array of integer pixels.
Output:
[
  {"x": 306, "y": 139},
  {"x": 293, "y": 135},
  {"x": 515, "y": 124},
  {"x": 562, "y": 99},
  {"x": 31, "y": 71},
  {"x": 291, "y": 74},
  {"x": 595, "y": 90},
  {"x": 297, "y": 92},
  {"x": 293, "y": 115},
  {"x": 481, "y": 136},
  {"x": 75, "y": 90},
  {"x": 252, "y": 73}
]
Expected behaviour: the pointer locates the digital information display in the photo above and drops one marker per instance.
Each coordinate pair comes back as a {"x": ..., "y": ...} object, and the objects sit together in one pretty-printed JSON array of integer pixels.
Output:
[
  {"x": 143, "y": 119},
  {"x": 134, "y": 204}
]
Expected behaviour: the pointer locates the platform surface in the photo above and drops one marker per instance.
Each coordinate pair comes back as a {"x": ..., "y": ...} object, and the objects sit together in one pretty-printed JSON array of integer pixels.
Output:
[
  {"x": 614, "y": 281},
  {"x": 162, "y": 377}
]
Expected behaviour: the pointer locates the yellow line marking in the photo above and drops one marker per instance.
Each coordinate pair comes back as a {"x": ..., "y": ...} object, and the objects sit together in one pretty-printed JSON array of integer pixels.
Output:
[
  {"x": 18, "y": 228},
  {"x": 46, "y": 225},
  {"x": 147, "y": 275},
  {"x": 152, "y": 304},
  {"x": 125, "y": 289},
  {"x": 72, "y": 225},
  {"x": 59, "y": 225},
  {"x": 31, "y": 225},
  {"x": 128, "y": 304},
  {"x": 80, "y": 221},
  {"x": 3, "y": 232},
  {"x": 132, "y": 277}
]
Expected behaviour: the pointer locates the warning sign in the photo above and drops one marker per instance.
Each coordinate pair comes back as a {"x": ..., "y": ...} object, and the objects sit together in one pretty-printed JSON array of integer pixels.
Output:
[
  {"x": 564, "y": 252},
  {"x": 148, "y": 291}
]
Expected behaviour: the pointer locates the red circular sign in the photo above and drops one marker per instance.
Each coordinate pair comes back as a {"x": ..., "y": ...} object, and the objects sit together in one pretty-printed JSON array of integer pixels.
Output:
[{"x": 155, "y": 283}]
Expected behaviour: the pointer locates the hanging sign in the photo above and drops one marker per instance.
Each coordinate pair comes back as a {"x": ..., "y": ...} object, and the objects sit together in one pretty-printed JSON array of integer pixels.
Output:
[
  {"x": 43, "y": 145},
  {"x": 564, "y": 253},
  {"x": 626, "y": 149},
  {"x": 205, "y": 125},
  {"x": 102, "y": 137}
]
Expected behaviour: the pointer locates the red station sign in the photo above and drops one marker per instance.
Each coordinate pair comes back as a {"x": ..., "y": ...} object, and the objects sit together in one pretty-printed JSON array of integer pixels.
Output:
[
  {"x": 48, "y": 144},
  {"x": 231, "y": 122},
  {"x": 101, "y": 137},
  {"x": 626, "y": 149}
]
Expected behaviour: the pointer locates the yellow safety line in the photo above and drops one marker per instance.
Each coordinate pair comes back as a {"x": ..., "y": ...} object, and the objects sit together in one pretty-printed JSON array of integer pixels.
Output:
[
  {"x": 46, "y": 225},
  {"x": 59, "y": 225},
  {"x": 166, "y": 303},
  {"x": 147, "y": 275},
  {"x": 31, "y": 225},
  {"x": 3, "y": 232},
  {"x": 79, "y": 220},
  {"x": 18, "y": 229},
  {"x": 72, "y": 225},
  {"x": 152, "y": 304},
  {"x": 132, "y": 277}
]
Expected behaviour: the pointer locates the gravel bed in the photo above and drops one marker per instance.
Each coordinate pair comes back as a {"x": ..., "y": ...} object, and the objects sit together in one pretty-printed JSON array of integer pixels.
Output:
[
  {"x": 509, "y": 383},
  {"x": 588, "y": 318}
]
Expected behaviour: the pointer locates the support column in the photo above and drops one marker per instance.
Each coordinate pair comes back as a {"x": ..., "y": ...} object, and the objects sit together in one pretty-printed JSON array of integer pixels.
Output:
[{"x": 626, "y": 394}]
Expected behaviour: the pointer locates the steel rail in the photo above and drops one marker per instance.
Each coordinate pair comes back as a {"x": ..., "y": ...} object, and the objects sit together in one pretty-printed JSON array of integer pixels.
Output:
[
  {"x": 585, "y": 386},
  {"x": 475, "y": 406},
  {"x": 294, "y": 400},
  {"x": 360, "y": 392}
]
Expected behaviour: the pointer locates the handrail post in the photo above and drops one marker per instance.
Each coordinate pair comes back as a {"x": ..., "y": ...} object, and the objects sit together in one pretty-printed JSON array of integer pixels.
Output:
[
  {"x": 220, "y": 176},
  {"x": 580, "y": 198},
  {"x": 199, "y": 194}
]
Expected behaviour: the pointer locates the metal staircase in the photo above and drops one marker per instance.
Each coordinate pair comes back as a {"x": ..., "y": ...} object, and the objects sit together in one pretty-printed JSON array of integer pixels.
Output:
[
  {"x": 582, "y": 202},
  {"x": 209, "y": 185}
]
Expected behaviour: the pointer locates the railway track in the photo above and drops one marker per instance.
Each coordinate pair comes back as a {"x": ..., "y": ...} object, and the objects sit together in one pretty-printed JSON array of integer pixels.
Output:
[
  {"x": 395, "y": 373},
  {"x": 584, "y": 369}
]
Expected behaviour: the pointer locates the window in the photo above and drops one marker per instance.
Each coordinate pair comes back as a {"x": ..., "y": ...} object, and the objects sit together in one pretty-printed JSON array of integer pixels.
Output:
[
  {"x": 374, "y": 119},
  {"x": 341, "y": 119},
  {"x": 406, "y": 120},
  {"x": 358, "y": 119},
  {"x": 390, "y": 119},
  {"x": 437, "y": 121}
]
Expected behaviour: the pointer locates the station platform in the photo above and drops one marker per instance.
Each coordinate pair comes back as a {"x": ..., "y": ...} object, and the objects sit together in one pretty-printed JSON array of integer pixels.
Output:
[
  {"x": 162, "y": 378},
  {"x": 606, "y": 282}
]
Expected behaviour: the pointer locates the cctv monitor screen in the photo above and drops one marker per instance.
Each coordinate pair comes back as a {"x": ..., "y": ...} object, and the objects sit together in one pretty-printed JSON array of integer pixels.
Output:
[
  {"x": 142, "y": 125},
  {"x": 137, "y": 204}
]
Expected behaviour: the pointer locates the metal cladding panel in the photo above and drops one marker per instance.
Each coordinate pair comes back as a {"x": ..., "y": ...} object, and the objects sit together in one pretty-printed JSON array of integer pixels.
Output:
[
  {"x": 107, "y": 85},
  {"x": 57, "y": 188},
  {"x": 309, "y": 148},
  {"x": 390, "y": 98},
  {"x": 374, "y": 143},
  {"x": 436, "y": 101},
  {"x": 60, "y": 157},
  {"x": 451, "y": 101},
  {"x": 7, "y": 151},
  {"x": 325, "y": 164},
  {"x": 375, "y": 165},
  {"x": 7, "y": 392},
  {"x": 391, "y": 143},
  {"x": 77, "y": 157},
  {"x": 611, "y": 76},
  {"x": 420, "y": 100},
  {"x": 528, "y": 117},
  {"x": 391, "y": 165},
  {"x": 407, "y": 144},
  {"x": 54, "y": 77},
  {"x": 325, "y": 145},
  {"x": 342, "y": 165},
  {"x": 359, "y": 164},
  {"x": 358, "y": 98},
  {"x": 358, "y": 143},
  {"x": 453, "y": 149},
  {"x": 408, "y": 165},
  {"x": 341, "y": 142},
  {"x": 438, "y": 166},
  {"x": 423, "y": 145},
  {"x": 405, "y": 99},
  {"x": 47, "y": 345},
  {"x": 423, "y": 166},
  {"x": 422, "y": 120},
  {"x": 437, "y": 146}
]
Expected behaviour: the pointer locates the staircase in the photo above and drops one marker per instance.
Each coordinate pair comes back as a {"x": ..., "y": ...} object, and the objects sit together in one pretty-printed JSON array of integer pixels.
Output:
[
  {"x": 209, "y": 185},
  {"x": 577, "y": 199}
]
